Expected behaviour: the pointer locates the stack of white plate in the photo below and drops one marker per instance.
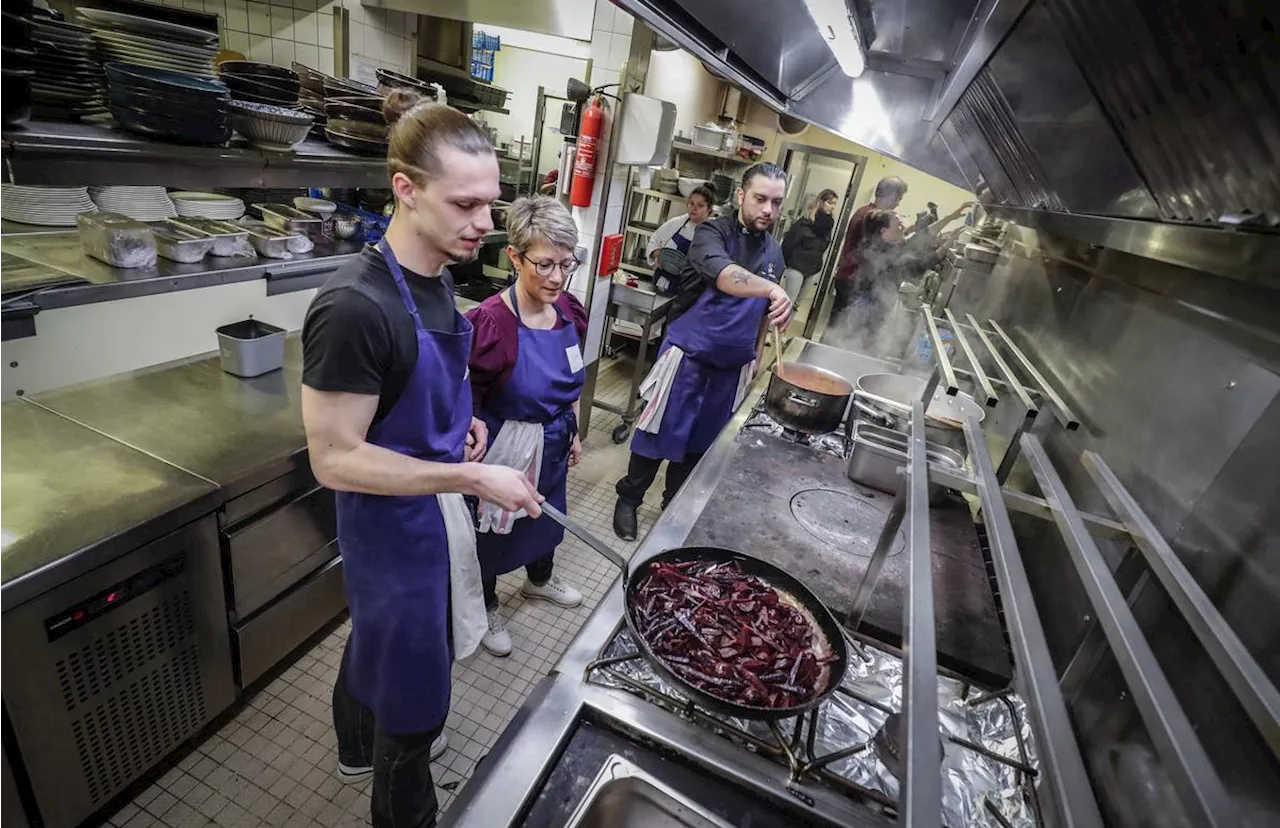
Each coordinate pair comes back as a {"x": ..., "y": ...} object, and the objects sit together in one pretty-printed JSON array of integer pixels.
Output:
[
  {"x": 145, "y": 41},
  {"x": 207, "y": 205},
  {"x": 141, "y": 203},
  {"x": 48, "y": 206}
]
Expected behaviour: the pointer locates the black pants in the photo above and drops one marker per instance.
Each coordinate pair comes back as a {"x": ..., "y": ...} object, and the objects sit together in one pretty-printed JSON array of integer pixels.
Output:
[
  {"x": 843, "y": 295},
  {"x": 642, "y": 471},
  {"x": 539, "y": 572},
  {"x": 404, "y": 795}
]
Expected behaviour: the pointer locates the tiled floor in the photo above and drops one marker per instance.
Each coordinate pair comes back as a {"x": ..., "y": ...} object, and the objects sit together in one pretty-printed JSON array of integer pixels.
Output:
[{"x": 272, "y": 763}]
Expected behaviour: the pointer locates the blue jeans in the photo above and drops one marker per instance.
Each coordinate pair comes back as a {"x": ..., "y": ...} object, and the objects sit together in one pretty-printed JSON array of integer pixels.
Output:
[{"x": 404, "y": 795}]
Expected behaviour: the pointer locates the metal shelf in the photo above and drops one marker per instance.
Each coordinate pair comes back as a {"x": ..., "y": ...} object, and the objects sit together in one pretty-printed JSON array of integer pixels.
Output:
[
  {"x": 55, "y": 153},
  {"x": 709, "y": 153},
  {"x": 673, "y": 197},
  {"x": 638, "y": 269},
  {"x": 640, "y": 230}
]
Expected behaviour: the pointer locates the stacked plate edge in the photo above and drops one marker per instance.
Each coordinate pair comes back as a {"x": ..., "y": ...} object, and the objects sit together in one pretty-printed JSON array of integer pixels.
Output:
[{"x": 46, "y": 206}]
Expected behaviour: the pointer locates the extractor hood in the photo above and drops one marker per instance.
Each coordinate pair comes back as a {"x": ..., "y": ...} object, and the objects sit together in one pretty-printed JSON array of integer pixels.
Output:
[{"x": 1125, "y": 111}]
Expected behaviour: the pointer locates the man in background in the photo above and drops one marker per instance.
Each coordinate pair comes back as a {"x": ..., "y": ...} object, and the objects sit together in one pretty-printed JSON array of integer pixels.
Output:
[{"x": 888, "y": 195}]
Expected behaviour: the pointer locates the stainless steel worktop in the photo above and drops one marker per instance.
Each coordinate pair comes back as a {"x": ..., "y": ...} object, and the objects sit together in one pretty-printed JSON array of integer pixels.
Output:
[
  {"x": 512, "y": 775},
  {"x": 231, "y": 431},
  {"x": 67, "y": 488}
]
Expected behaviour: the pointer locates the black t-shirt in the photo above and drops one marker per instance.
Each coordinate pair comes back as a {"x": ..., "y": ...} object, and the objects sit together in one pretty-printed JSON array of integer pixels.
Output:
[{"x": 359, "y": 338}]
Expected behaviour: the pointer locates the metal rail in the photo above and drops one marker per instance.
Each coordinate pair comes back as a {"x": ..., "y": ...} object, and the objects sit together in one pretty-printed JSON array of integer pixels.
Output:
[
  {"x": 1060, "y": 409},
  {"x": 1060, "y": 757},
  {"x": 984, "y": 382},
  {"x": 1256, "y": 692},
  {"x": 1029, "y": 405},
  {"x": 920, "y": 797},
  {"x": 944, "y": 362},
  {"x": 1199, "y": 787}
]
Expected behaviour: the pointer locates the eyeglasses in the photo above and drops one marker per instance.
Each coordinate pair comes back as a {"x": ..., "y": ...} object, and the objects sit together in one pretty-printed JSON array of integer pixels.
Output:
[{"x": 545, "y": 267}]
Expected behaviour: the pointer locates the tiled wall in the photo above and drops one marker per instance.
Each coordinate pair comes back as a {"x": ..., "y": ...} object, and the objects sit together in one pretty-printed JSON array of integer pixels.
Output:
[
  {"x": 610, "y": 45},
  {"x": 380, "y": 37},
  {"x": 282, "y": 31}
]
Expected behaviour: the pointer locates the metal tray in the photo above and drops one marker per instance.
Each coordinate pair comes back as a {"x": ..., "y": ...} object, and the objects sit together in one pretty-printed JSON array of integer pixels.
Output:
[
  {"x": 179, "y": 245},
  {"x": 879, "y": 452},
  {"x": 289, "y": 219},
  {"x": 269, "y": 242},
  {"x": 228, "y": 238}
]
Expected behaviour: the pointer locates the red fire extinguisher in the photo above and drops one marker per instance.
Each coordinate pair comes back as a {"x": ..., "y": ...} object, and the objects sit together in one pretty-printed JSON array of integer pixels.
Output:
[{"x": 584, "y": 162}]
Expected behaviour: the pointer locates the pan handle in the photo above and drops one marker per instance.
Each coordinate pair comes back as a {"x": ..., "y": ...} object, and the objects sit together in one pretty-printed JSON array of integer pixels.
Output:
[{"x": 586, "y": 537}]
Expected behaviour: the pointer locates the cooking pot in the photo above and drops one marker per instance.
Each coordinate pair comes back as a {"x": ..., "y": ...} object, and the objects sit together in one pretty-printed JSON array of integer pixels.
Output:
[
  {"x": 807, "y": 399},
  {"x": 888, "y": 397}
]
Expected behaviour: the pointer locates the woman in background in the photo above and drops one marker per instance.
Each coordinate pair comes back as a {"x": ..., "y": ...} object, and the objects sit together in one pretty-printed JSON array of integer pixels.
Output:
[
  {"x": 805, "y": 244},
  {"x": 668, "y": 248},
  {"x": 526, "y": 378}
]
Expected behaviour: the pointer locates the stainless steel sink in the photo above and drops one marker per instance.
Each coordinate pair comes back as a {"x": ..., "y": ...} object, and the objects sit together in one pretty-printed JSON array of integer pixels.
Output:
[{"x": 624, "y": 796}]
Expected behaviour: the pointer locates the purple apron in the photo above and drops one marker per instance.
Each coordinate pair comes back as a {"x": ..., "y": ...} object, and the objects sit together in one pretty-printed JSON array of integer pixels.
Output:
[
  {"x": 718, "y": 337},
  {"x": 394, "y": 549},
  {"x": 541, "y": 389}
]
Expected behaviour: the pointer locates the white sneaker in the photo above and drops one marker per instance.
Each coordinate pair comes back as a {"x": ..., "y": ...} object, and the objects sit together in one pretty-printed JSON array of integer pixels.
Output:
[
  {"x": 349, "y": 775},
  {"x": 554, "y": 590},
  {"x": 497, "y": 640}
]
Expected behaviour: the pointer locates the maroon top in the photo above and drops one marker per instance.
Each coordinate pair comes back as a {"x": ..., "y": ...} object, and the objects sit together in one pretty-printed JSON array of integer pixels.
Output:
[
  {"x": 496, "y": 341},
  {"x": 847, "y": 264}
]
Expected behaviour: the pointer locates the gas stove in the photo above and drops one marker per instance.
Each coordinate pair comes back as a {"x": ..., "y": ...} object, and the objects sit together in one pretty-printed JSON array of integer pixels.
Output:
[
  {"x": 835, "y": 443},
  {"x": 850, "y": 742}
]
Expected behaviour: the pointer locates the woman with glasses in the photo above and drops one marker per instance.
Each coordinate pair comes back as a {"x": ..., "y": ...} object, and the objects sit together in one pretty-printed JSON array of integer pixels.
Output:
[{"x": 526, "y": 378}]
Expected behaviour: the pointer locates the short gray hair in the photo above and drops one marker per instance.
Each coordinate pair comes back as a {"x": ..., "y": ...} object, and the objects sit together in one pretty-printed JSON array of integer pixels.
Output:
[{"x": 540, "y": 218}]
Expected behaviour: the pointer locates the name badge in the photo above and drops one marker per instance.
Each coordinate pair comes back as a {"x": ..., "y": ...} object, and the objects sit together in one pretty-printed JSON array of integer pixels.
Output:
[{"x": 575, "y": 358}]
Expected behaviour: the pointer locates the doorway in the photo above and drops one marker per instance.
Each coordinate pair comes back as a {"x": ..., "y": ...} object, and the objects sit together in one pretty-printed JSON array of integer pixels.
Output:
[{"x": 811, "y": 170}]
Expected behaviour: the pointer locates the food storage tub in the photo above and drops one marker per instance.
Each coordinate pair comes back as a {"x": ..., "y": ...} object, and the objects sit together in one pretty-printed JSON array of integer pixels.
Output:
[
  {"x": 178, "y": 245},
  {"x": 879, "y": 452},
  {"x": 251, "y": 348}
]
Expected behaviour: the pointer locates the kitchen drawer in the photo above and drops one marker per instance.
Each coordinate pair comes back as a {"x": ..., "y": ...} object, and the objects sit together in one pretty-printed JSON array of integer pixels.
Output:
[
  {"x": 269, "y": 636},
  {"x": 277, "y": 492},
  {"x": 271, "y": 553}
]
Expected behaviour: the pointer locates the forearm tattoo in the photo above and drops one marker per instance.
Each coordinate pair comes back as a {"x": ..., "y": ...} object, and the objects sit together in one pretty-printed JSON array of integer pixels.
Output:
[{"x": 740, "y": 275}]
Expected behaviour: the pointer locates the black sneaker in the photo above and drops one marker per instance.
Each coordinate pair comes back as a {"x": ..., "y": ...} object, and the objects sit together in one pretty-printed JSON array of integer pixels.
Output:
[{"x": 624, "y": 521}]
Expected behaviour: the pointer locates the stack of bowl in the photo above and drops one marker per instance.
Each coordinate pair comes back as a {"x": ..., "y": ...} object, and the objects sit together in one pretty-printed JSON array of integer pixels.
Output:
[
  {"x": 263, "y": 83},
  {"x": 311, "y": 95},
  {"x": 356, "y": 123},
  {"x": 172, "y": 105},
  {"x": 17, "y": 71},
  {"x": 268, "y": 127}
]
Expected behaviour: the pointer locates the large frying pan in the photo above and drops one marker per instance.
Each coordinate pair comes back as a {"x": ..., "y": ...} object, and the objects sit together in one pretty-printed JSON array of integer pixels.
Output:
[{"x": 766, "y": 572}]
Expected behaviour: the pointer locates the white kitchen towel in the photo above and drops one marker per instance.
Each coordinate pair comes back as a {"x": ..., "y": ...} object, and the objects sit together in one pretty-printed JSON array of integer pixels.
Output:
[
  {"x": 519, "y": 446},
  {"x": 469, "y": 619},
  {"x": 745, "y": 377},
  {"x": 655, "y": 389}
]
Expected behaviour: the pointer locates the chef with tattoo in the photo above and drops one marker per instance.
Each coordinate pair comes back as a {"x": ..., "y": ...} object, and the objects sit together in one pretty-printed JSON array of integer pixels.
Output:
[{"x": 708, "y": 358}]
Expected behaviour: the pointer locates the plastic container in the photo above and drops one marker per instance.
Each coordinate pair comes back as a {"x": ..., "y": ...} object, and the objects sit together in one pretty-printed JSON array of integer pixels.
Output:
[{"x": 251, "y": 348}]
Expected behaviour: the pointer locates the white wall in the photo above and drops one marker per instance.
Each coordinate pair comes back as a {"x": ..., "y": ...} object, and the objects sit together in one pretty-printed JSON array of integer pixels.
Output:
[
  {"x": 678, "y": 77},
  {"x": 85, "y": 342},
  {"x": 521, "y": 72}
]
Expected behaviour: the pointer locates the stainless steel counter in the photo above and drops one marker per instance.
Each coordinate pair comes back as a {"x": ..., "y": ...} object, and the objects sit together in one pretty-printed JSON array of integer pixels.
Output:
[
  {"x": 69, "y": 492},
  {"x": 60, "y": 251},
  {"x": 512, "y": 775},
  {"x": 235, "y": 433}
]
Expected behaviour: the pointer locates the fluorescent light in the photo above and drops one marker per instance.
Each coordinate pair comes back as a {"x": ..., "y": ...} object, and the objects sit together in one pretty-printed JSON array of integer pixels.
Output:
[{"x": 840, "y": 33}]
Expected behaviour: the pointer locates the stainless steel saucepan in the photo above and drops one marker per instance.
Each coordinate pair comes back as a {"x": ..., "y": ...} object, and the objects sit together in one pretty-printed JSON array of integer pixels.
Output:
[{"x": 890, "y": 396}]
